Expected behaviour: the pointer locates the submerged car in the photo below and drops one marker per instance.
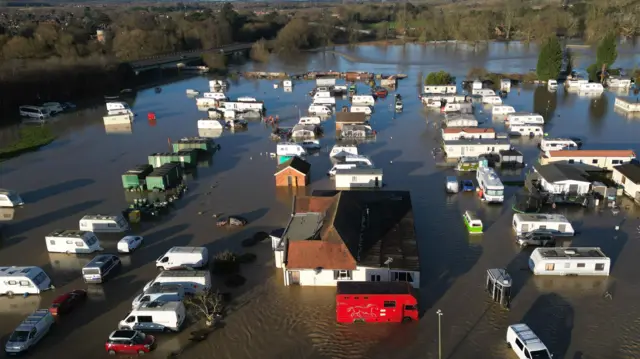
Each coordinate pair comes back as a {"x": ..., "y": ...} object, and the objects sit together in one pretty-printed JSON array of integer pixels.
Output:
[
  {"x": 538, "y": 237},
  {"x": 235, "y": 221},
  {"x": 468, "y": 186},
  {"x": 67, "y": 302}
]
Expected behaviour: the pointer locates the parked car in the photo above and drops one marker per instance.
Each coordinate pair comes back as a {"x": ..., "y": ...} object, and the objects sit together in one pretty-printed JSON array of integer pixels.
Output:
[
  {"x": 468, "y": 186},
  {"x": 129, "y": 342},
  {"x": 538, "y": 237},
  {"x": 67, "y": 302},
  {"x": 380, "y": 92},
  {"x": 129, "y": 243},
  {"x": 232, "y": 221}
]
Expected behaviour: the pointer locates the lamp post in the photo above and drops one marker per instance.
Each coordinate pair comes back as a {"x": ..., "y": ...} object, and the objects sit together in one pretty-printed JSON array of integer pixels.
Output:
[
  {"x": 439, "y": 313},
  {"x": 388, "y": 263}
]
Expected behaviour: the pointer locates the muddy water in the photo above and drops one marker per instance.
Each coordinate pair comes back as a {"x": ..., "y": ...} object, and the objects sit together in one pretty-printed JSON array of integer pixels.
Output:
[{"x": 80, "y": 174}]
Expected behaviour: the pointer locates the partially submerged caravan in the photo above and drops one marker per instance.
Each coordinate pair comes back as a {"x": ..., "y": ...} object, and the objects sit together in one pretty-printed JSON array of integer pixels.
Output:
[
  {"x": 72, "y": 241},
  {"x": 556, "y": 224},
  {"x": 502, "y": 110},
  {"x": 526, "y": 130},
  {"x": 309, "y": 120},
  {"x": 461, "y": 107},
  {"x": 101, "y": 223},
  {"x": 23, "y": 280},
  {"x": 492, "y": 100},
  {"x": 10, "y": 198},
  {"x": 341, "y": 150},
  {"x": 209, "y": 124},
  {"x": 555, "y": 144},
  {"x": 363, "y": 100},
  {"x": 525, "y": 118},
  {"x": 590, "y": 261},
  {"x": 290, "y": 149},
  {"x": 492, "y": 189},
  {"x": 367, "y": 110}
]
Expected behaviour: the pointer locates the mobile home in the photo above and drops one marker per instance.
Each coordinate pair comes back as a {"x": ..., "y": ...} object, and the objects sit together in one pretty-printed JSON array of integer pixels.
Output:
[
  {"x": 475, "y": 147},
  {"x": 591, "y": 87},
  {"x": 313, "y": 120},
  {"x": 440, "y": 89},
  {"x": 342, "y": 150},
  {"x": 290, "y": 149},
  {"x": 304, "y": 131},
  {"x": 72, "y": 241},
  {"x": 10, "y": 198},
  {"x": 244, "y": 106},
  {"x": 21, "y": 280},
  {"x": 505, "y": 85},
  {"x": 363, "y": 100},
  {"x": 483, "y": 92},
  {"x": 462, "y": 107},
  {"x": 367, "y": 110},
  {"x": 552, "y": 85},
  {"x": 590, "y": 261},
  {"x": 604, "y": 159},
  {"x": 461, "y": 120},
  {"x": 553, "y": 144},
  {"x": 215, "y": 95},
  {"x": 315, "y": 109},
  {"x": 525, "y": 118},
  {"x": 457, "y": 133},
  {"x": 101, "y": 223},
  {"x": 557, "y": 223},
  {"x": 490, "y": 184},
  {"x": 619, "y": 82},
  {"x": 324, "y": 101},
  {"x": 575, "y": 84},
  {"x": 371, "y": 302},
  {"x": 526, "y": 130},
  {"x": 209, "y": 124},
  {"x": 627, "y": 104},
  {"x": 322, "y": 94},
  {"x": 207, "y": 102},
  {"x": 502, "y": 110},
  {"x": 124, "y": 118},
  {"x": 492, "y": 100},
  {"x": 358, "y": 177}
]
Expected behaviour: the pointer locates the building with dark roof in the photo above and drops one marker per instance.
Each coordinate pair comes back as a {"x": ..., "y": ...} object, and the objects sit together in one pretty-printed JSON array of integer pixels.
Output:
[
  {"x": 337, "y": 236},
  {"x": 294, "y": 172},
  {"x": 628, "y": 176},
  {"x": 562, "y": 178}
]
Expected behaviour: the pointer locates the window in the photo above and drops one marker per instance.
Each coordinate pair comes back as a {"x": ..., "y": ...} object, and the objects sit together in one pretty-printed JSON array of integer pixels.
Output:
[
  {"x": 375, "y": 277},
  {"x": 53, "y": 241},
  {"x": 39, "y": 278},
  {"x": 595, "y": 162},
  {"x": 572, "y": 161},
  {"x": 580, "y": 265},
  {"x": 111, "y": 225},
  {"x": 69, "y": 241},
  {"x": 354, "y": 179},
  {"x": 13, "y": 282},
  {"x": 616, "y": 162},
  {"x": 600, "y": 266},
  {"x": 526, "y": 353},
  {"x": 80, "y": 244},
  {"x": 145, "y": 319},
  {"x": 389, "y": 304},
  {"x": 519, "y": 344},
  {"x": 402, "y": 277},
  {"x": 342, "y": 274},
  {"x": 131, "y": 319},
  {"x": 542, "y": 227},
  {"x": 25, "y": 283},
  {"x": 567, "y": 265},
  {"x": 549, "y": 266}
]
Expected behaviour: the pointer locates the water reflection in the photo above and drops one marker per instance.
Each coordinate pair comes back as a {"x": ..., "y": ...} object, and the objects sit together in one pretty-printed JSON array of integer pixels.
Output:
[
  {"x": 66, "y": 264},
  {"x": 123, "y": 129},
  {"x": 7, "y": 214},
  {"x": 19, "y": 305},
  {"x": 545, "y": 103},
  {"x": 567, "y": 286},
  {"x": 597, "y": 112}
]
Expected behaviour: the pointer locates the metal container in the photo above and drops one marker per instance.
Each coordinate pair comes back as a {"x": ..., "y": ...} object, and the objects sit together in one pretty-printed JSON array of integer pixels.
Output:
[
  {"x": 198, "y": 143},
  {"x": 135, "y": 177},
  {"x": 188, "y": 158},
  {"x": 159, "y": 159},
  {"x": 166, "y": 176}
]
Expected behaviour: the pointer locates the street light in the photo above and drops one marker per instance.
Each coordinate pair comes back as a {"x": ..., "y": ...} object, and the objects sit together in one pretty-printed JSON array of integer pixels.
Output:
[
  {"x": 439, "y": 313},
  {"x": 388, "y": 264}
]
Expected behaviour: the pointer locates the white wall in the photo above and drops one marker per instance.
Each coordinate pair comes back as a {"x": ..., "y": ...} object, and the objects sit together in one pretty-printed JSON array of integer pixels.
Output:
[
  {"x": 630, "y": 188},
  {"x": 456, "y": 151},
  {"x": 309, "y": 277},
  {"x": 564, "y": 267},
  {"x": 458, "y": 135},
  {"x": 357, "y": 181},
  {"x": 278, "y": 257},
  {"x": 440, "y": 89},
  {"x": 563, "y": 186},
  {"x": 602, "y": 162}
]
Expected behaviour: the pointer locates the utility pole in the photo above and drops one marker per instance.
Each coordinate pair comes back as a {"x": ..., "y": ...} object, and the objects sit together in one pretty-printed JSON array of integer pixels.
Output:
[{"x": 439, "y": 313}]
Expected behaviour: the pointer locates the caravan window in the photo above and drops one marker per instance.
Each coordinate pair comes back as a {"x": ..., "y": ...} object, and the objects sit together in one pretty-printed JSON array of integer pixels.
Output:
[
  {"x": 39, "y": 278},
  {"x": 519, "y": 344},
  {"x": 69, "y": 241},
  {"x": 402, "y": 277},
  {"x": 91, "y": 240},
  {"x": 581, "y": 265},
  {"x": 145, "y": 319},
  {"x": 341, "y": 274},
  {"x": 80, "y": 244},
  {"x": 550, "y": 266},
  {"x": 12, "y": 282},
  {"x": 600, "y": 266},
  {"x": 25, "y": 283},
  {"x": 112, "y": 225},
  {"x": 52, "y": 242}
]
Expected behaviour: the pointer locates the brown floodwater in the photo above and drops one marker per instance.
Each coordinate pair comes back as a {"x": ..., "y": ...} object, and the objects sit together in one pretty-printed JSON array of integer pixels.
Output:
[{"x": 80, "y": 173}]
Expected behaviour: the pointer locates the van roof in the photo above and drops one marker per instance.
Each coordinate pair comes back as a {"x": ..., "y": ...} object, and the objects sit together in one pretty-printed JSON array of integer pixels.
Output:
[
  {"x": 528, "y": 337},
  {"x": 187, "y": 250},
  {"x": 99, "y": 260},
  {"x": 374, "y": 288},
  {"x": 159, "y": 306},
  {"x": 73, "y": 233},
  {"x": 34, "y": 318},
  {"x": 30, "y": 271},
  {"x": 101, "y": 217},
  {"x": 183, "y": 273},
  {"x": 163, "y": 288}
]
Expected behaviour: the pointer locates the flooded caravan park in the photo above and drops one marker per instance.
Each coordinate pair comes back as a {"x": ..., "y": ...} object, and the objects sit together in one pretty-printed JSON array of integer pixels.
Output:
[{"x": 80, "y": 173}]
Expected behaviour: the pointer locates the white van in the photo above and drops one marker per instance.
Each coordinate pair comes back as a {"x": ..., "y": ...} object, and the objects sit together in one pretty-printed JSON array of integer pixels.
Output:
[
  {"x": 526, "y": 130},
  {"x": 100, "y": 268},
  {"x": 107, "y": 224},
  {"x": 324, "y": 101},
  {"x": 10, "y": 198},
  {"x": 309, "y": 120},
  {"x": 492, "y": 100},
  {"x": 209, "y": 124},
  {"x": 53, "y": 107},
  {"x": 22, "y": 280},
  {"x": 556, "y": 224},
  {"x": 363, "y": 100},
  {"x": 483, "y": 92},
  {"x": 320, "y": 110},
  {"x": 192, "y": 281},
  {"x": 72, "y": 241},
  {"x": 525, "y": 343},
  {"x": 215, "y": 95},
  {"x": 34, "y": 112},
  {"x": 555, "y": 144},
  {"x": 502, "y": 110},
  {"x": 367, "y": 110},
  {"x": 290, "y": 149},
  {"x": 525, "y": 118},
  {"x": 29, "y": 332},
  {"x": 159, "y": 316},
  {"x": 339, "y": 150},
  {"x": 159, "y": 293},
  {"x": 180, "y": 257}
]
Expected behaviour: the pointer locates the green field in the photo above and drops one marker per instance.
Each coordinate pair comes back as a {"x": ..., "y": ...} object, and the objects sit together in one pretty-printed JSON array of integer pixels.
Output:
[{"x": 31, "y": 139}]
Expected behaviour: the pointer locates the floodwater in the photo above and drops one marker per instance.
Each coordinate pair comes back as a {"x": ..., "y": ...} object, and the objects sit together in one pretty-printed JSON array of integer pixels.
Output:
[{"x": 80, "y": 173}]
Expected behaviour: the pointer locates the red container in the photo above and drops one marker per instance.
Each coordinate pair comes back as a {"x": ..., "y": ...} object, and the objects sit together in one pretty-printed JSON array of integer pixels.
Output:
[
  {"x": 151, "y": 116},
  {"x": 376, "y": 302}
]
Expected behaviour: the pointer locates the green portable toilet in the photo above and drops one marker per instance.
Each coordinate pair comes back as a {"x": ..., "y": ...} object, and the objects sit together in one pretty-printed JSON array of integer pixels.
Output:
[
  {"x": 135, "y": 177},
  {"x": 188, "y": 158},
  {"x": 157, "y": 180}
]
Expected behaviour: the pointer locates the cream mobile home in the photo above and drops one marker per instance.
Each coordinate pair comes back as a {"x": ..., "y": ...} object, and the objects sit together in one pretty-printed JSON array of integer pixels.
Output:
[
  {"x": 525, "y": 118},
  {"x": 557, "y": 223},
  {"x": 71, "y": 241},
  {"x": 526, "y": 130},
  {"x": 457, "y": 133},
  {"x": 502, "y": 110},
  {"x": 492, "y": 100},
  {"x": 475, "y": 147},
  {"x": 589, "y": 261},
  {"x": 627, "y": 104},
  {"x": 21, "y": 280},
  {"x": 604, "y": 159},
  {"x": 440, "y": 89},
  {"x": 101, "y": 223}
]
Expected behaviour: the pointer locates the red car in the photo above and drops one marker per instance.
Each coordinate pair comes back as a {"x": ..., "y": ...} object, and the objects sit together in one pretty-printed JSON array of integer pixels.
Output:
[
  {"x": 381, "y": 92},
  {"x": 66, "y": 302},
  {"x": 129, "y": 342}
]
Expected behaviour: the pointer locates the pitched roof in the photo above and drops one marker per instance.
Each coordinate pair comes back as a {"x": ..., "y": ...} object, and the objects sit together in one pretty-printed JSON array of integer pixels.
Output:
[
  {"x": 296, "y": 163},
  {"x": 468, "y": 130},
  {"x": 370, "y": 226},
  {"x": 351, "y": 117},
  {"x": 592, "y": 153},
  {"x": 630, "y": 170},
  {"x": 556, "y": 172}
]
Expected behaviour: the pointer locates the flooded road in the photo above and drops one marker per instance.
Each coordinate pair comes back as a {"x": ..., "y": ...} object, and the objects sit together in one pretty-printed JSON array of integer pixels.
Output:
[{"x": 80, "y": 173}]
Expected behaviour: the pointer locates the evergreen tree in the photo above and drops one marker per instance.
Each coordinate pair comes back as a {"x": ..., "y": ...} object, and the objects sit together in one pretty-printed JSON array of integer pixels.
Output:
[
  {"x": 549, "y": 60},
  {"x": 607, "y": 52}
]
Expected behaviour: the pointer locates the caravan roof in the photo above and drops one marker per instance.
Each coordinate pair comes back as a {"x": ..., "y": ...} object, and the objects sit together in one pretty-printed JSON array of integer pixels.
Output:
[
  {"x": 29, "y": 272},
  {"x": 573, "y": 252},
  {"x": 100, "y": 217},
  {"x": 525, "y": 217},
  {"x": 65, "y": 233}
]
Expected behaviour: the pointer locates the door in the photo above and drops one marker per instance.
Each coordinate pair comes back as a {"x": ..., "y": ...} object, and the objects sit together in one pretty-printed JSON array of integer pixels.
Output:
[
  {"x": 294, "y": 278},
  {"x": 377, "y": 183},
  {"x": 562, "y": 228},
  {"x": 525, "y": 228},
  {"x": 289, "y": 180},
  {"x": 573, "y": 189}
]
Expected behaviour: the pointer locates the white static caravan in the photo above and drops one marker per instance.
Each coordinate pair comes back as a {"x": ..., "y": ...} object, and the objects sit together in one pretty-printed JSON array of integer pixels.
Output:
[
  {"x": 489, "y": 182},
  {"x": 492, "y": 100},
  {"x": 552, "y": 85},
  {"x": 325, "y": 82},
  {"x": 21, "y": 280},
  {"x": 100, "y": 223},
  {"x": 209, "y": 124},
  {"x": 525, "y": 223},
  {"x": 627, "y": 105},
  {"x": 441, "y": 89},
  {"x": 309, "y": 120},
  {"x": 358, "y": 178},
  {"x": 217, "y": 84},
  {"x": 619, "y": 82},
  {"x": 475, "y": 147},
  {"x": 367, "y": 110},
  {"x": 461, "y": 120},
  {"x": 574, "y": 85},
  {"x": 363, "y": 100},
  {"x": 290, "y": 149},
  {"x": 457, "y": 133},
  {"x": 117, "y": 107},
  {"x": 207, "y": 102},
  {"x": 315, "y": 109},
  {"x": 215, "y": 95},
  {"x": 340, "y": 150},
  {"x": 304, "y": 131},
  {"x": 462, "y": 107},
  {"x": 435, "y": 101},
  {"x": 505, "y": 85},
  {"x": 502, "y": 110},
  {"x": 476, "y": 85},
  {"x": 331, "y": 101},
  {"x": 123, "y": 118},
  {"x": 322, "y": 94},
  {"x": 209, "y": 133},
  {"x": 554, "y": 144},
  {"x": 10, "y": 198},
  {"x": 483, "y": 92},
  {"x": 526, "y": 130},
  {"x": 71, "y": 241},
  {"x": 287, "y": 84},
  {"x": 589, "y": 261},
  {"x": 247, "y": 99},
  {"x": 604, "y": 159},
  {"x": 214, "y": 113},
  {"x": 591, "y": 87},
  {"x": 525, "y": 118},
  {"x": 244, "y": 106}
]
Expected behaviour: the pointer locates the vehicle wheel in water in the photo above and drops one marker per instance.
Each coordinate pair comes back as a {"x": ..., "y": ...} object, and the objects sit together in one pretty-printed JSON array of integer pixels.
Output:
[
  {"x": 9, "y": 294},
  {"x": 406, "y": 320},
  {"x": 508, "y": 344},
  {"x": 141, "y": 352},
  {"x": 111, "y": 352}
]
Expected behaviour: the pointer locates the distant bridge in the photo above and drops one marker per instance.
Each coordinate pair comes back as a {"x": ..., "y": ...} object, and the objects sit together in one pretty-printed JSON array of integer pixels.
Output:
[{"x": 184, "y": 56}]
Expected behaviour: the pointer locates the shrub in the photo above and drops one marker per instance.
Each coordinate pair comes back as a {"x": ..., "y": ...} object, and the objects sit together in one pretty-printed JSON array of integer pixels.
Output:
[
  {"x": 235, "y": 280},
  {"x": 260, "y": 51},
  {"x": 246, "y": 258},
  {"x": 439, "y": 78},
  {"x": 225, "y": 263}
]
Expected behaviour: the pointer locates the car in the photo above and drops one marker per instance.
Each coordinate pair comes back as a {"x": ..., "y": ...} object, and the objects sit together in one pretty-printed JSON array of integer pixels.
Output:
[
  {"x": 468, "y": 186},
  {"x": 129, "y": 342},
  {"x": 129, "y": 243},
  {"x": 67, "y": 302},
  {"x": 538, "y": 237},
  {"x": 232, "y": 221}
]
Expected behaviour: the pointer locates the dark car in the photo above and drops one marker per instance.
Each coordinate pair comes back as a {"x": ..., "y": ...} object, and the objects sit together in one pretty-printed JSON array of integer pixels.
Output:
[
  {"x": 468, "y": 186},
  {"x": 539, "y": 237},
  {"x": 129, "y": 342},
  {"x": 67, "y": 302}
]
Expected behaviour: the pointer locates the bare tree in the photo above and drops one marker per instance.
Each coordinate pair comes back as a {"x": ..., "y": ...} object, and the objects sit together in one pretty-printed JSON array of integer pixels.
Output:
[{"x": 207, "y": 304}]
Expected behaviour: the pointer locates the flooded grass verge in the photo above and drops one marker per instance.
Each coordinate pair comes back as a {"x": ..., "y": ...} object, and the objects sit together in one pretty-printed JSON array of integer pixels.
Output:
[{"x": 31, "y": 139}]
